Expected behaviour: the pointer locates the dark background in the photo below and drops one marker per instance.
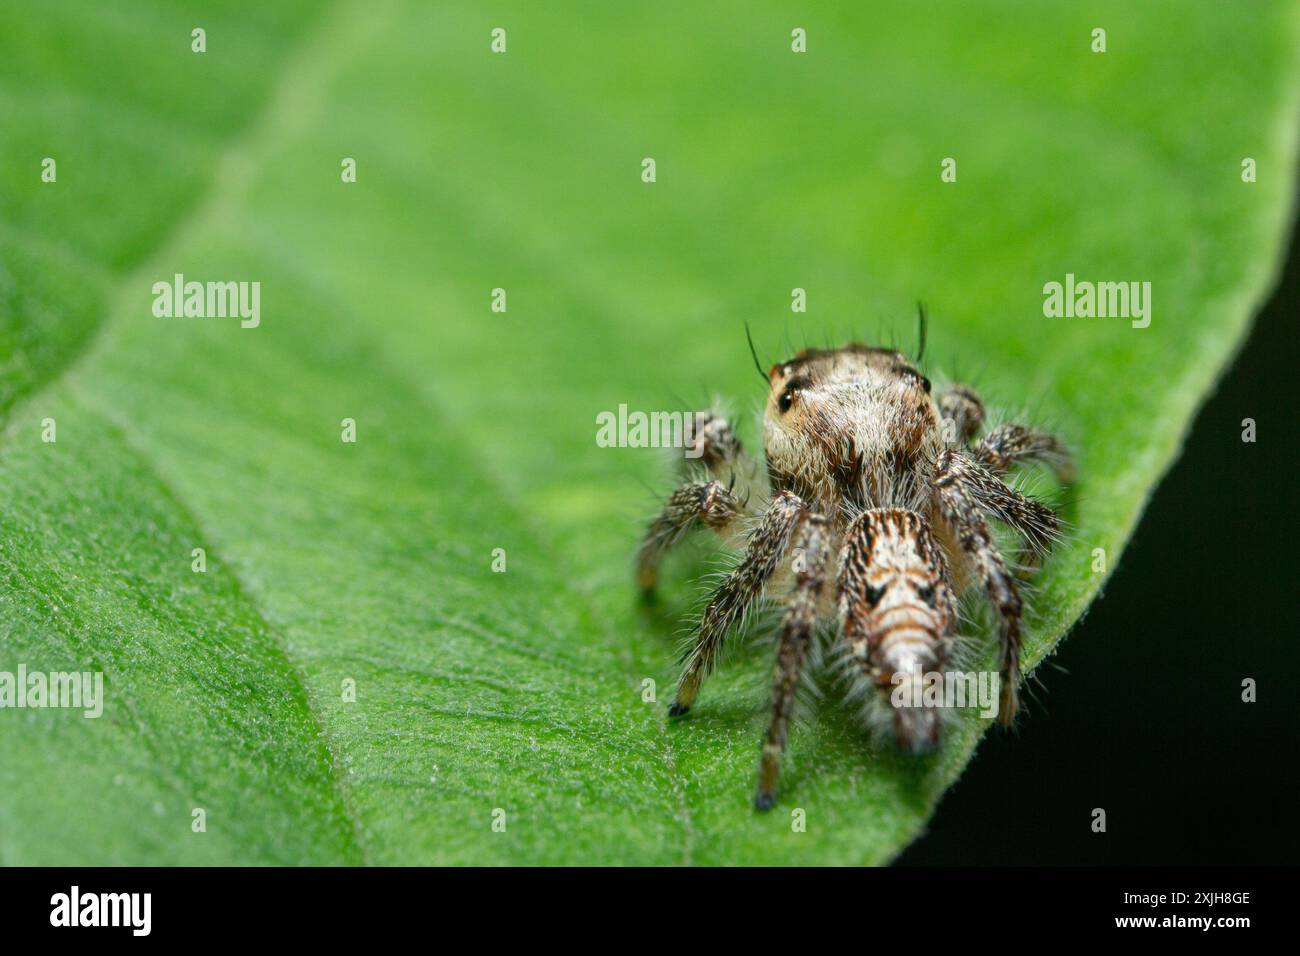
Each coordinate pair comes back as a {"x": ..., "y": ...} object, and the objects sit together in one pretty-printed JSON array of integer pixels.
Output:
[{"x": 1140, "y": 712}]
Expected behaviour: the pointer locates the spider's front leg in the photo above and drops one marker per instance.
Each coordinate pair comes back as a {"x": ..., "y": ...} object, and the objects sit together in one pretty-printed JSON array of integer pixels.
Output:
[
  {"x": 1036, "y": 523},
  {"x": 1011, "y": 443},
  {"x": 718, "y": 504},
  {"x": 958, "y": 506},
  {"x": 710, "y": 503},
  {"x": 716, "y": 444},
  {"x": 961, "y": 405},
  {"x": 813, "y": 537},
  {"x": 1005, "y": 445},
  {"x": 743, "y": 586}
]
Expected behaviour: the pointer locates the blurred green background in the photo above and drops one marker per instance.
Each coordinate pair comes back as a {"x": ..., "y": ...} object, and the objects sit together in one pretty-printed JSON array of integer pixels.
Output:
[{"x": 372, "y": 561}]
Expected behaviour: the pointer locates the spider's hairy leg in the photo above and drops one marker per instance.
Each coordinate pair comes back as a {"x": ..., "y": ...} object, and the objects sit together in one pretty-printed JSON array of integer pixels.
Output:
[
  {"x": 766, "y": 549},
  {"x": 956, "y": 503},
  {"x": 898, "y": 615},
  {"x": 717, "y": 504},
  {"x": 1035, "y": 522},
  {"x": 716, "y": 445},
  {"x": 797, "y": 625},
  {"x": 1010, "y": 443},
  {"x": 710, "y": 503},
  {"x": 961, "y": 405}
]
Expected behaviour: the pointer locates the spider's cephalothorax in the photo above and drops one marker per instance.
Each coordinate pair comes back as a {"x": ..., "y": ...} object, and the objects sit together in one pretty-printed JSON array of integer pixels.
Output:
[
  {"x": 872, "y": 483},
  {"x": 848, "y": 429}
]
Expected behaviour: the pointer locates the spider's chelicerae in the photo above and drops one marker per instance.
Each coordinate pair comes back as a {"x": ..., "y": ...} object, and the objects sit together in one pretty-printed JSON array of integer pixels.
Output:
[{"x": 875, "y": 515}]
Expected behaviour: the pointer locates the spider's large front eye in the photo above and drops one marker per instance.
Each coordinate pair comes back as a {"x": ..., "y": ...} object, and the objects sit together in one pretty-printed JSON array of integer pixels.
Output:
[{"x": 792, "y": 387}]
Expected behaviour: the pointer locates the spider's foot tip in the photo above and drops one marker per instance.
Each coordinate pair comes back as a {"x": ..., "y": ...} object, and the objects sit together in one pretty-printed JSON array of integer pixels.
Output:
[
  {"x": 764, "y": 801},
  {"x": 676, "y": 710}
]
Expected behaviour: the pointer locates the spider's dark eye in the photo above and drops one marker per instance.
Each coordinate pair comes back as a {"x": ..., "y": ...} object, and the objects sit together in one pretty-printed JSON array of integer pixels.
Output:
[
  {"x": 873, "y": 594},
  {"x": 908, "y": 372},
  {"x": 791, "y": 387},
  {"x": 926, "y": 594}
]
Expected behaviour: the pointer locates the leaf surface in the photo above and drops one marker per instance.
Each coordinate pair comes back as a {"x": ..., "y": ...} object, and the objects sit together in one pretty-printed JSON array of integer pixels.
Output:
[{"x": 371, "y": 561}]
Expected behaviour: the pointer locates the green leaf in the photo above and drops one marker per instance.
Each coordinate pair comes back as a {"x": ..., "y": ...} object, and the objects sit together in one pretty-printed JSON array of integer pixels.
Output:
[{"x": 371, "y": 561}]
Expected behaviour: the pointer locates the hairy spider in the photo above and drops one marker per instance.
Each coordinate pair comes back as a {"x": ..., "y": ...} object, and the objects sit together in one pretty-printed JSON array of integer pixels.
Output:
[{"x": 863, "y": 465}]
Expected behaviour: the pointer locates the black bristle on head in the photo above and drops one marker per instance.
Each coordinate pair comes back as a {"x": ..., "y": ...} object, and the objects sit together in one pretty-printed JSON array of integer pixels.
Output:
[
  {"x": 922, "y": 324},
  {"x": 754, "y": 352}
]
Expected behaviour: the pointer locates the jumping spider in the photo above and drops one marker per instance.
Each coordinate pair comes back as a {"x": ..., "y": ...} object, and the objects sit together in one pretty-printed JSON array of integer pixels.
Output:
[{"x": 860, "y": 468}]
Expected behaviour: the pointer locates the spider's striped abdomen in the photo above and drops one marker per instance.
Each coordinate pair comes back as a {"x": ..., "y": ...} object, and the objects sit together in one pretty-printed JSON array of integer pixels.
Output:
[{"x": 897, "y": 613}]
